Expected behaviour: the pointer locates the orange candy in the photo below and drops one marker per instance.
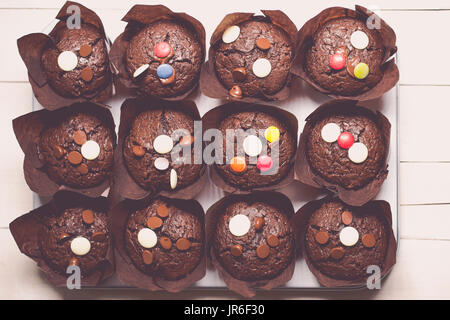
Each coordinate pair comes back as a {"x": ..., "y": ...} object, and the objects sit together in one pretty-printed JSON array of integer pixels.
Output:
[{"x": 238, "y": 164}]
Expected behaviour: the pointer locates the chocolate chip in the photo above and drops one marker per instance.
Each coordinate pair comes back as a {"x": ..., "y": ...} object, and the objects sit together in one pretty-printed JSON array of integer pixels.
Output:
[
  {"x": 79, "y": 137},
  {"x": 236, "y": 250},
  {"x": 87, "y": 74},
  {"x": 259, "y": 223},
  {"x": 138, "y": 151},
  {"x": 351, "y": 64},
  {"x": 165, "y": 242},
  {"x": 63, "y": 237},
  {"x": 263, "y": 251},
  {"x": 88, "y": 216},
  {"x": 83, "y": 169},
  {"x": 368, "y": 240},
  {"x": 162, "y": 211},
  {"x": 322, "y": 237},
  {"x": 263, "y": 44},
  {"x": 272, "y": 240},
  {"x": 147, "y": 256},
  {"x": 74, "y": 262},
  {"x": 75, "y": 157},
  {"x": 347, "y": 217},
  {"x": 85, "y": 50},
  {"x": 337, "y": 253},
  {"x": 236, "y": 92},
  {"x": 154, "y": 222},
  {"x": 239, "y": 74},
  {"x": 183, "y": 244},
  {"x": 99, "y": 236},
  {"x": 59, "y": 152}
]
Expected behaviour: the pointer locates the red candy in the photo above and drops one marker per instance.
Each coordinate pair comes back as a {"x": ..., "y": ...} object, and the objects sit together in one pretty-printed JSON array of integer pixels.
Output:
[
  {"x": 162, "y": 49},
  {"x": 337, "y": 61},
  {"x": 264, "y": 163},
  {"x": 345, "y": 140}
]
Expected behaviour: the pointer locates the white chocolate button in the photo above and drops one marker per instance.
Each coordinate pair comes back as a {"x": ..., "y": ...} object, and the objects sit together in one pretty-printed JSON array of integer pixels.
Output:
[
  {"x": 80, "y": 246},
  {"x": 349, "y": 236},
  {"x": 67, "y": 60},
  {"x": 163, "y": 144},
  {"x": 358, "y": 152},
  {"x": 161, "y": 164},
  {"x": 90, "y": 150},
  {"x": 147, "y": 238},
  {"x": 231, "y": 34},
  {"x": 330, "y": 132},
  {"x": 140, "y": 70},
  {"x": 239, "y": 225},
  {"x": 173, "y": 179},
  {"x": 359, "y": 39},
  {"x": 261, "y": 67},
  {"x": 252, "y": 146}
]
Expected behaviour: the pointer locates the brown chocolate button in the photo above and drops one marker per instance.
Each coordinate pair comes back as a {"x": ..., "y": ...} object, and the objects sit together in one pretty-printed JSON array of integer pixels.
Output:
[
  {"x": 83, "y": 168},
  {"x": 272, "y": 240},
  {"x": 351, "y": 64},
  {"x": 87, "y": 74},
  {"x": 154, "y": 222},
  {"x": 85, "y": 50},
  {"x": 147, "y": 256},
  {"x": 99, "y": 236},
  {"x": 259, "y": 223},
  {"x": 63, "y": 237},
  {"x": 368, "y": 240},
  {"x": 59, "y": 152},
  {"x": 239, "y": 74},
  {"x": 74, "y": 262},
  {"x": 263, "y": 251},
  {"x": 263, "y": 44},
  {"x": 75, "y": 157},
  {"x": 88, "y": 216},
  {"x": 186, "y": 141},
  {"x": 236, "y": 92},
  {"x": 183, "y": 244},
  {"x": 337, "y": 253},
  {"x": 347, "y": 217},
  {"x": 79, "y": 137},
  {"x": 322, "y": 237},
  {"x": 165, "y": 242},
  {"x": 162, "y": 211},
  {"x": 138, "y": 151},
  {"x": 236, "y": 250}
]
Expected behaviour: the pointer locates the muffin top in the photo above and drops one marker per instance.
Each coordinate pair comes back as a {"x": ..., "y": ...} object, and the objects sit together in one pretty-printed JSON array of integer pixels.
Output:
[
  {"x": 164, "y": 240},
  {"x": 164, "y": 59},
  {"x": 342, "y": 241},
  {"x": 77, "y": 64},
  {"x": 253, "y": 241},
  {"x": 77, "y": 149},
  {"x": 147, "y": 150},
  {"x": 259, "y": 149},
  {"x": 253, "y": 59},
  {"x": 346, "y": 147},
  {"x": 76, "y": 236},
  {"x": 345, "y": 57}
]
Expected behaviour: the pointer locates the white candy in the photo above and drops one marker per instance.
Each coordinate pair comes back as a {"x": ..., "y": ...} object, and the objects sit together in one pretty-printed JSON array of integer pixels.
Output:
[
  {"x": 147, "y": 238},
  {"x": 231, "y": 34},
  {"x": 140, "y": 70},
  {"x": 173, "y": 179},
  {"x": 252, "y": 146},
  {"x": 90, "y": 150},
  {"x": 359, "y": 39},
  {"x": 67, "y": 60},
  {"x": 262, "y": 68},
  {"x": 358, "y": 152},
  {"x": 330, "y": 132},
  {"x": 161, "y": 164},
  {"x": 349, "y": 236},
  {"x": 239, "y": 225},
  {"x": 163, "y": 144},
  {"x": 80, "y": 246}
]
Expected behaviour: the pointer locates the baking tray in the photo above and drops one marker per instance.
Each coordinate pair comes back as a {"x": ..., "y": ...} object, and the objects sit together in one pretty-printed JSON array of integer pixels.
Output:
[{"x": 302, "y": 102}]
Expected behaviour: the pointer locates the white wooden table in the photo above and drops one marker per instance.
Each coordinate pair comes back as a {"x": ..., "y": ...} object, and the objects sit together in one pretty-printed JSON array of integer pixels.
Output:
[{"x": 423, "y": 262}]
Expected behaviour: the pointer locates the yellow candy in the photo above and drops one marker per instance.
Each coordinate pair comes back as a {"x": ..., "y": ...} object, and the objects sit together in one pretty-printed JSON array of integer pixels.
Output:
[
  {"x": 361, "y": 70},
  {"x": 272, "y": 134}
]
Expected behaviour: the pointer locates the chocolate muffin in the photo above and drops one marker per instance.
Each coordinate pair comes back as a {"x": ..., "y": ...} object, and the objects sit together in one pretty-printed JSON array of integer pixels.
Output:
[
  {"x": 164, "y": 59},
  {"x": 263, "y": 149},
  {"x": 77, "y": 148},
  {"x": 253, "y": 58},
  {"x": 76, "y": 63},
  {"x": 343, "y": 241},
  {"x": 345, "y": 57},
  {"x": 164, "y": 240},
  {"x": 345, "y": 145},
  {"x": 159, "y": 150},
  {"x": 253, "y": 240}
]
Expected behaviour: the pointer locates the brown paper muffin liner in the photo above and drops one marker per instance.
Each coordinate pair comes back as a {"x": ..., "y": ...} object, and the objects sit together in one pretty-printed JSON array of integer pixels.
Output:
[
  {"x": 209, "y": 82},
  {"x": 212, "y": 119},
  {"x": 124, "y": 184},
  {"x": 28, "y": 129},
  {"x": 127, "y": 271},
  {"x": 304, "y": 41},
  {"x": 137, "y": 18},
  {"x": 379, "y": 207},
  {"x": 31, "y": 47},
  {"x": 27, "y": 228},
  {"x": 248, "y": 288},
  {"x": 306, "y": 174}
]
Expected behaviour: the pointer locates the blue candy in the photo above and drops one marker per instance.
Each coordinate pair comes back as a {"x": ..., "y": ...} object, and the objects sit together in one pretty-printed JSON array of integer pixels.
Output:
[{"x": 164, "y": 71}]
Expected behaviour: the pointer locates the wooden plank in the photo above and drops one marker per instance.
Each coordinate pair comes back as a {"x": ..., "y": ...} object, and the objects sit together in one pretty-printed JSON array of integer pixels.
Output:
[{"x": 425, "y": 222}]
